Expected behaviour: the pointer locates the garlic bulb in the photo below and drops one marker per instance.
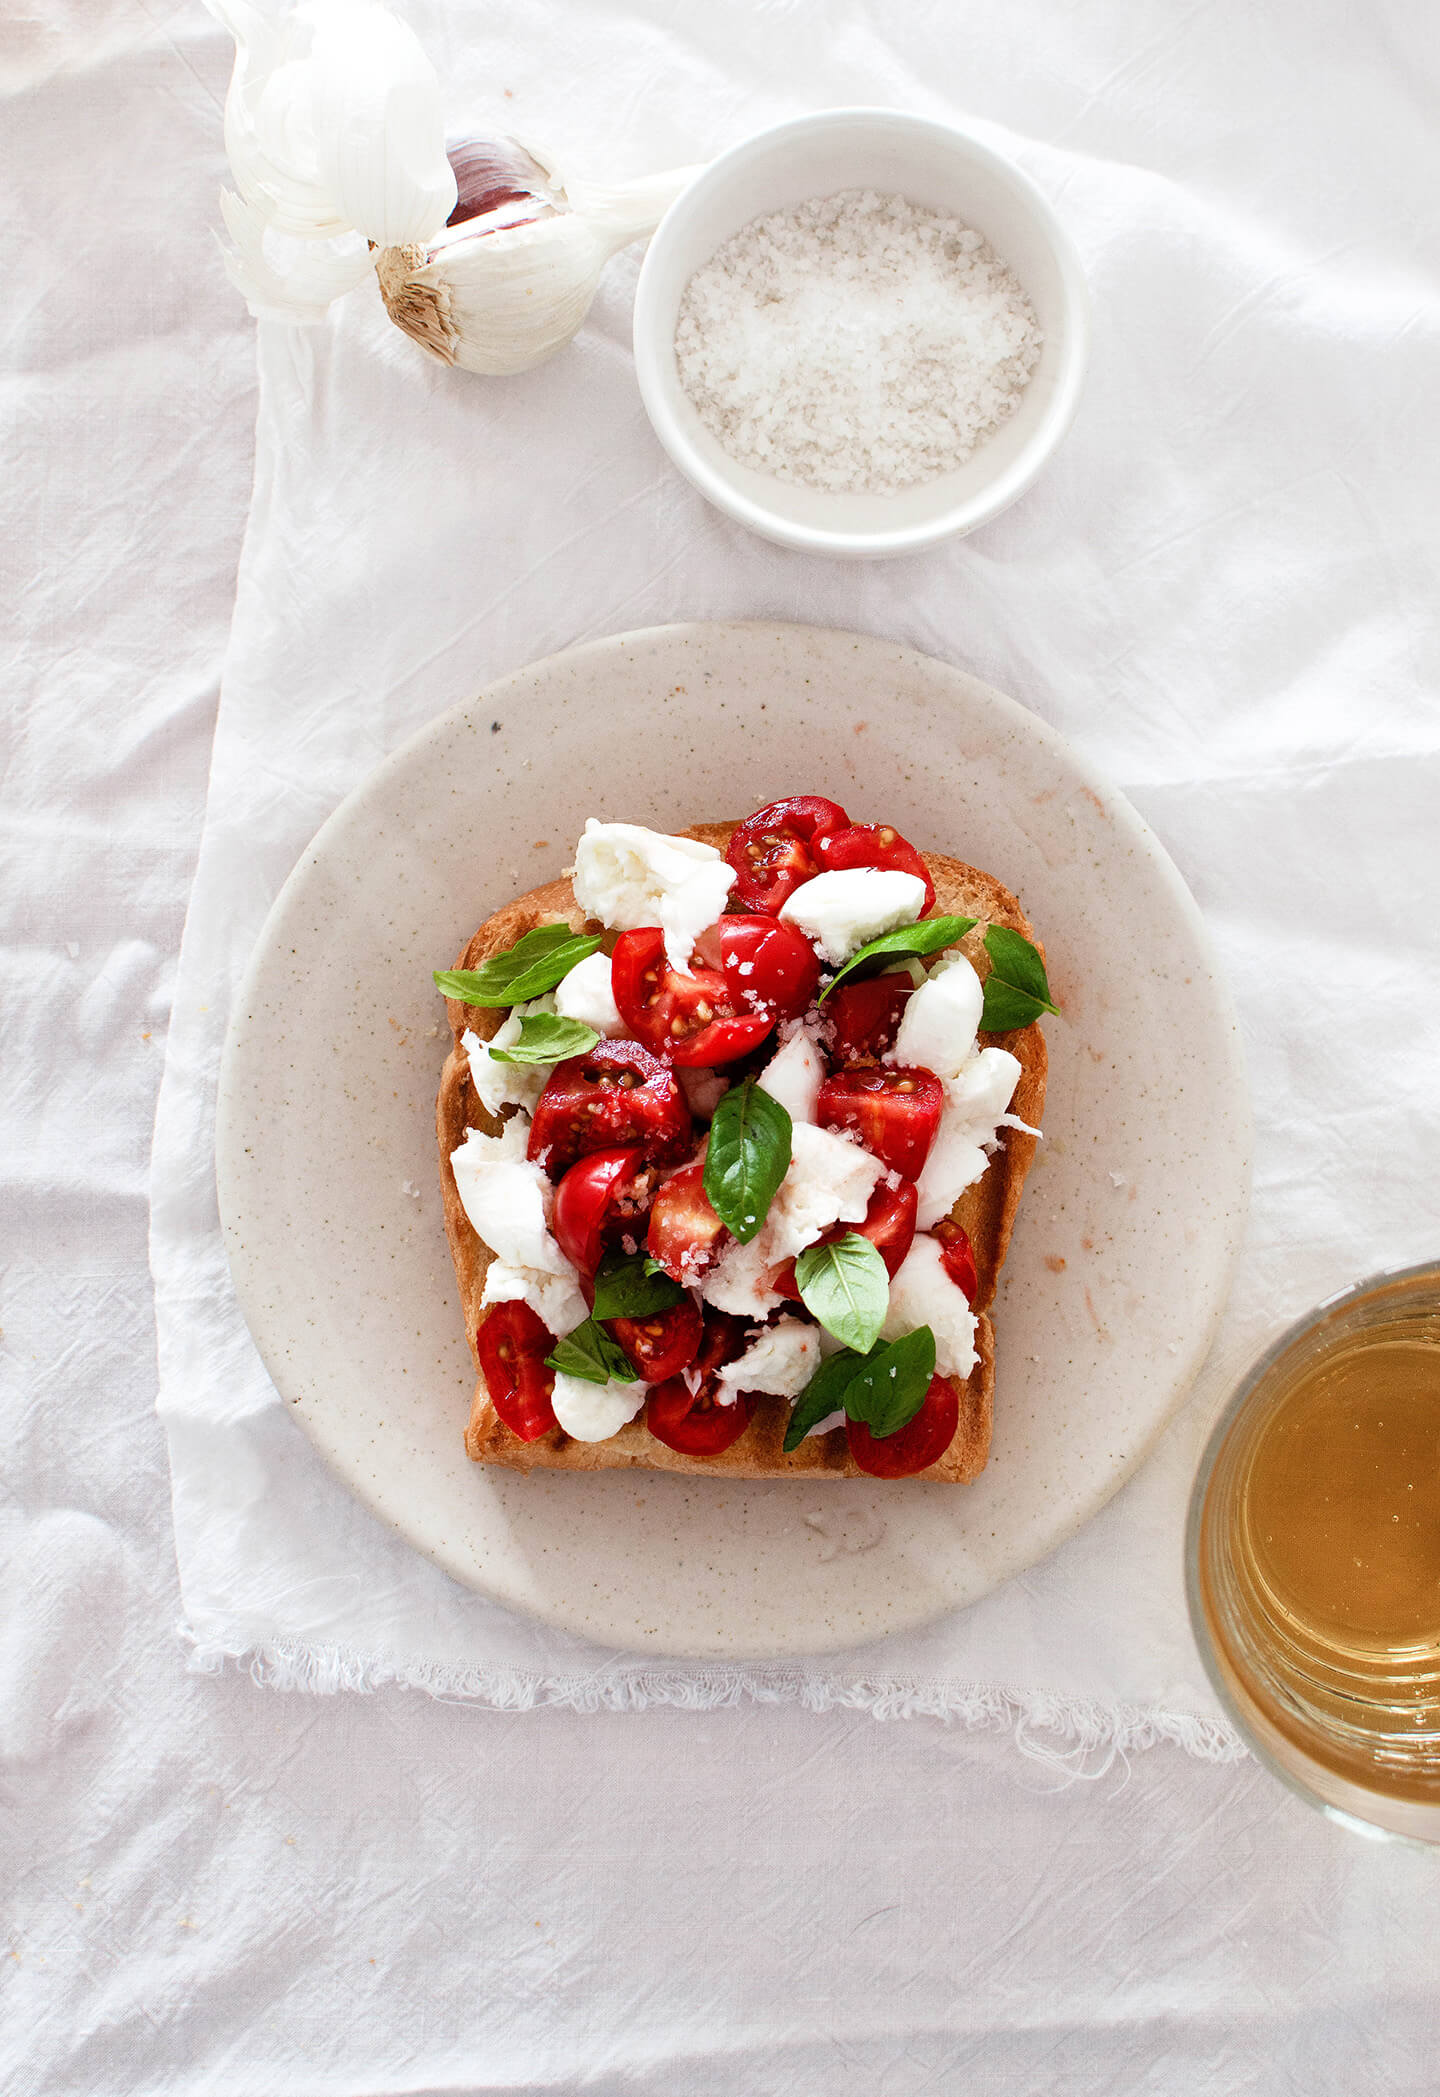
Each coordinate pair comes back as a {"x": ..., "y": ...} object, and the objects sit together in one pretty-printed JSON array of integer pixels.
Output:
[
  {"x": 505, "y": 287},
  {"x": 335, "y": 136}
]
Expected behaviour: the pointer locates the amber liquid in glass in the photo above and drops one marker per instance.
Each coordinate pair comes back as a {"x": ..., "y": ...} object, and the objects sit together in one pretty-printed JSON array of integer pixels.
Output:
[{"x": 1335, "y": 1551}]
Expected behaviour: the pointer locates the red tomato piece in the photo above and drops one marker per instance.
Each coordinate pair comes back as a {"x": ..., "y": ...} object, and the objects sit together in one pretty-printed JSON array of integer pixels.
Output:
[
  {"x": 615, "y": 1095},
  {"x": 768, "y": 967},
  {"x": 894, "y": 1112},
  {"x": 685, "y": 1234},
  {"x": 512, "y": 1345},
  {"x": 662, "y": 1344},
  {"x": 874, "y": 844},
  {"x": 693, "y": 1422},
  {"x": 957, "y": 1257},
  {"x": 916, "y": 1445},
  {"x": 865, "y": 1017},
  {"x": 889, "y": 1224},
  {"x": 690, "y": 1019},
  {"x": 775, "y": 849},
  {"x": 599, "y": 1196}
]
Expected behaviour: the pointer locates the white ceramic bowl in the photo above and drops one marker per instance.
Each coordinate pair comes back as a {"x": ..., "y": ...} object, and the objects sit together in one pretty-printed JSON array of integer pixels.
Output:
[{"x": 940, "y": 165}]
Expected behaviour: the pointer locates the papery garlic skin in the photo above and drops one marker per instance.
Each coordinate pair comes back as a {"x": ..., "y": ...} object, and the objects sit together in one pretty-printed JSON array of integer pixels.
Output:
[
  {"x": 501, "y": 301},
  {"x": 334, "y": 130}
]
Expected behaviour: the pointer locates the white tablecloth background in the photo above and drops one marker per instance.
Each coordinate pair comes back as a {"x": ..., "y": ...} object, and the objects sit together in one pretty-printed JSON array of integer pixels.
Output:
[{"x": 212, "y": 1888}]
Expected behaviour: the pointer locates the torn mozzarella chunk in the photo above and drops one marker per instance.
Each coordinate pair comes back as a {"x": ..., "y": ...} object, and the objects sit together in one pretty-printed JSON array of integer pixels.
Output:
[
  {"x": 508, "y": 1200},
  {"x": 922, "y": 1293},
  {"x": 842, "y": 911},
  {"x": 554, "y": 1298},
  {"x": 830, "y": 1180},
  {"x": 739, "y": 1282},
  {"x": 794, "y": 1075},
  {"x": 592, "y": 1412},
  {"x": 974, "y": 1103},
  {"x": 628, "y": 876},
  {"x": 937, "y": 1027},
  {"x": 781, "y": 1361},
  {"x": 587, "y": 994},
  {"x": 500, "y": 1084}
]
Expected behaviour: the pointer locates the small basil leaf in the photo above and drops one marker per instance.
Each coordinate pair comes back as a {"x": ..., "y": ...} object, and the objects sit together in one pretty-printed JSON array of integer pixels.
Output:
[
  {"x": 547, "y": 1038},
  {"x": 925, "y": 937},
  {"x": 888, "y": 1388},
  {"x": 654, "y": 1266},
  {"x": 532, "y": 966},
  {"x": 624, "y": 1289},
  {"x": 825, "y": 1393},
  {"x": 747, "y": 1157},
  {"x": 1016, "y": 991},
  {"x": 846, "y": 1287},
  {"x": 591, "y": 1354}
]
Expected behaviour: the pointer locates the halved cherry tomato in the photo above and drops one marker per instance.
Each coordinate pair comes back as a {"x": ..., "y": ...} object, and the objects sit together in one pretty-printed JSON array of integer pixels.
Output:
[
  {"x": 874, "y": 844},
  {"x": 894, "y": 1112},
  {"x": 600, "y": 1196},
  {"x": 616, "y": 1094},
  {"x": 916, "y": 1445},
  {"x": 865, "y": 1017},
  {"x": 693, "y": 1422},
  {"x": 662, "y": 1344},
  {"x": 774, "y": 850},
  {"x": 889, "y": 1225},
  {"x": 689, "y": 1019},
  {"x": 957, "y": 1257},
  {"x": 685, "y": 1234},
  {"x": 769, "y": 967},
  {"x": 512, "y": 1344}
]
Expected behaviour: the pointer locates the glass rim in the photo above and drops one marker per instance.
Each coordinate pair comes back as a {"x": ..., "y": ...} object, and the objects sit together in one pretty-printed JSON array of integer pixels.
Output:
[{"x": 1200, "y": 1629}]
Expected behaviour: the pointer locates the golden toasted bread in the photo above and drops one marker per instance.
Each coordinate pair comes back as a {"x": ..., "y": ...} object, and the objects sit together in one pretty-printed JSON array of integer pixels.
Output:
[{"x": 986, "y": 1211}]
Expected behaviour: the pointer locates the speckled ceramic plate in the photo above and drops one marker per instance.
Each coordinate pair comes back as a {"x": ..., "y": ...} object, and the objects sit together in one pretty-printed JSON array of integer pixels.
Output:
[{"x": 327, "y": 1173}]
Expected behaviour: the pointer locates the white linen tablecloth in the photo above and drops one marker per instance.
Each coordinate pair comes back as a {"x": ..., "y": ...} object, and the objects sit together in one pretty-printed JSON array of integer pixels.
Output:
[{"x": 212, "y": 1889}]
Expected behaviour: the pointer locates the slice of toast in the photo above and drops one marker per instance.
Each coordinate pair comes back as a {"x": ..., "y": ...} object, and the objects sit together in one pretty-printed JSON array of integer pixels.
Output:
[{"x": 986, "y": 1210}]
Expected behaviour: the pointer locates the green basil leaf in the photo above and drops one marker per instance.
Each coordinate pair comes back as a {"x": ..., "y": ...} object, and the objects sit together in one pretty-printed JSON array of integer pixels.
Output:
[
  {"x": 654, "y": 1266},
  {"x": 532, "y": 966},
  {"x": 591, "y": 1354},
  {"x": 846, "y": 1287},
  {"x": 747, "y": 1157},
  {"x": 547, "y": 1038},
  {"x": 925, "y": 937},
  {"x": 888, "y": 1388},
  {"x": 1016, "y": 991},
  {"x": 624, "y": 1288},
  {"x": 825, "y": 1393}
]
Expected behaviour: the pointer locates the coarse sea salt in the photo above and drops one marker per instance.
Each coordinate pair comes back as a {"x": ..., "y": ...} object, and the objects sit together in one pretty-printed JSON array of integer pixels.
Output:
[{"x": 858, "y": 343}]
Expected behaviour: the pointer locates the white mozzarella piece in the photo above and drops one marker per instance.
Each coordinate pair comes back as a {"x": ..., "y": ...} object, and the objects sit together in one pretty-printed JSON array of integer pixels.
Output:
[
  {"x": 554, "y": 1298},
  {"x": 830, "y": 1180},
  {"x": 500, "y": 1084},
  {"x": 592, "y": 1412},
  {"x": 781, "y": 1360},
  {"x": 588, "y": 995},
  {"x": 628, "y": 876},
  {"x": 703, "y": 1090},
  {"x": 508, "y": 1200},
  {"x": 739, "y": 1282},
  {"x": 937, "y": 1027},
  {"x": 794, "y": 1076},
  {"x": 922, "y": 1293},
  {"x": 974, "y": 1103},
  {"x": 840, "y": 912}
]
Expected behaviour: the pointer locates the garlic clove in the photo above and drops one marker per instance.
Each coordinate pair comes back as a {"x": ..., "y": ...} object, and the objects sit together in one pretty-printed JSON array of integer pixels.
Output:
[
  {"x": 499, "y": 180},
  {"x": 379, "y": 123},
  {"x": 287, "y": 279}
]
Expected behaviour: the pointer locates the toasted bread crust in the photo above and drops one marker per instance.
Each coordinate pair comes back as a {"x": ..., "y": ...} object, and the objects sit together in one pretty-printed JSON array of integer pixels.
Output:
[{"x": 986, "y": 1210}]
